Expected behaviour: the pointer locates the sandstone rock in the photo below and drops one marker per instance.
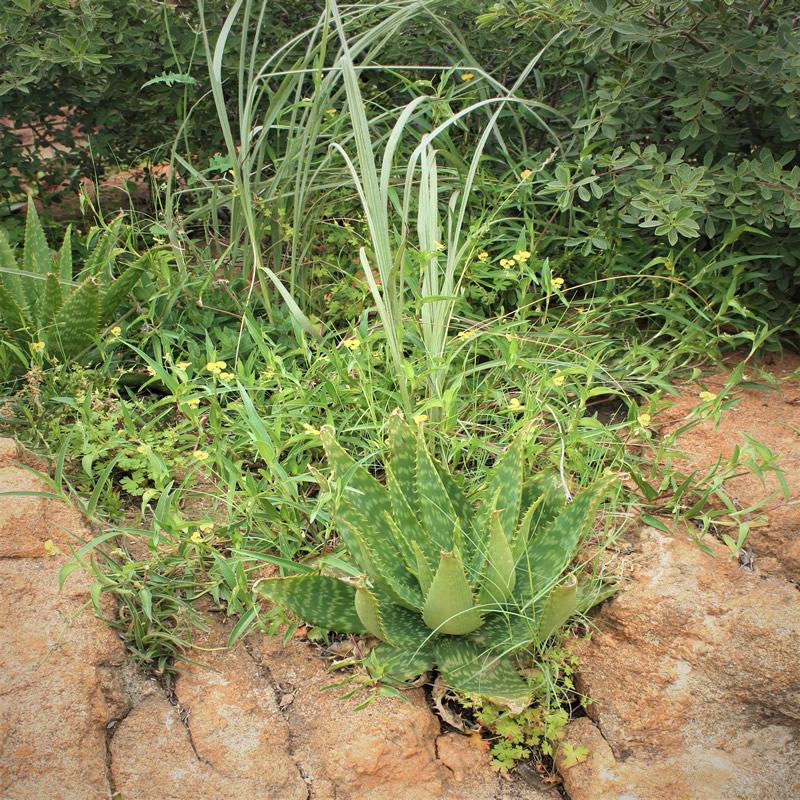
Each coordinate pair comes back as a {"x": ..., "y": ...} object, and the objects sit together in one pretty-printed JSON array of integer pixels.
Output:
[
  {"x": 696, "y": 682},
  {"x": 768, "y": 415}
]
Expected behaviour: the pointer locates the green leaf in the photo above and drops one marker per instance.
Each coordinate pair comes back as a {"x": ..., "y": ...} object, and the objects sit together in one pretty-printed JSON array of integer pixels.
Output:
[
  {"x": 65, "y": 256},
  {"x": 449, "y": 604},
  {"x": 467, "y": 668},
  {"x": 557, "y": 608},
  {"x": 121, "y": 288},
  {"x": 321, "y": 600},
  {"x": 388, "y": 621},
  {"x": 76, "y": 324},
  {"x": 437, "y": 514},
  {"x": 497, "y": 581},
  {"x": 50, "y": 303},
  {"x": 11, "y": 281},
  {"x": 404, "y": 663},
  {"x": 402, "y": 459},
  {"x": 36, "y": 256},
  {"x": 552, "y": 549},
  {"x": 13, "y": 318}
]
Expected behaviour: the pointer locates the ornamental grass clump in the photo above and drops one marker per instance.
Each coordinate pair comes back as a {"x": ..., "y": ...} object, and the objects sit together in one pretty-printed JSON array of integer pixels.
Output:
[{"x": 462, "y": 585}]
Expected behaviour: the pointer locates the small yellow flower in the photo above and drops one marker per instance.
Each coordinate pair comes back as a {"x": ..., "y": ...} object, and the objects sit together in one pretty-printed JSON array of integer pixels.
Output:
[
  {"x": 226, "y": 376},
  {"x": 522, "y": 255},
  {"x": 420, "y": 418},
  {"x": 200, "y": 455},
  {"x": 330, "y": 112},
  {"x": 141, "y": 449},
  {"x": 467, "y": 76},
  {"x": 311, "y": 429},
  {"x": 193, "y": 403},
  {"x": 183, "y": 364},
  {"x": 116, "y": 330},
  {"x": 149, "y": 370},
  {"x": 206, "y": 527},
  {"x": 483, "y": 255},
  {"x": 707, "y": 396},
  {"x": 439, "y": 245},
  {"x": 510, "y": 336},
  {"x": 50, "y": 548},
  {"x": 267, "y": 375},
  {"x": 514, "y": 404},
  {"x": 216, "y": 367},
  {"x": 507, "y": 263},
  {"x": 644, "y": 420},
  {"x": 526, "y": 173},
  {"x": 464, "y": 335},
  {"x": 196, "y": 537},
  {"x": 558, "y": 379},
  {"x": 557, "y": 282},
  {"x": 37, "y": 347}
]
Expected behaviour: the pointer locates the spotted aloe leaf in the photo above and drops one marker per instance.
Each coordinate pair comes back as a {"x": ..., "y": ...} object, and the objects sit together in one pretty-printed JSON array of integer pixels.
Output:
[
  {"x": 76, "y": 324},
  {"x": 557, "y": 608},
  {"x": 449, "y": 604},
  {"x": 388, "y": 621},
  {"x": 321, "y": 600},
  {"x": 467, "y": 667}
]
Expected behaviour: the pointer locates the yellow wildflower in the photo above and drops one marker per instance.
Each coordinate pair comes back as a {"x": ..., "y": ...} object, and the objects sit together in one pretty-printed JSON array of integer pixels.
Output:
[
  {"x": 464, "y": 335},
  {"x": 467, "y": 76},
  {"x": 526, "y": 173},
  {"x": 420, "y": 418},
  {"x": 183, "y": 364},
  {"x": 193, "y": 403},
  {"x": 267, "y": 375},
  {"x": 483, "y": 255},
  {"x": 522, "y": 255},
  {"x": 311, "y": 429},
  {"x": 149, "y": 370},
  {"x": 37, "y": 347},
  {"x": 514, "y": 404},
  {"x": 558, "y": 379},
  {"x": 200, "y": 455},
  {"x": 707, "y": 396},
  {"x": 196, "y": 537},
  {"x": 507, "y": 263},
  {"x": 330, "y": 112},
  {"x": 557, "y": 282},
  {"x": 643, "y": 419},
  {"x": 216, "y": 367},
  {"x": 51, "y": 549},
  {"x": 116, "y": 330},
  {"x": 226, "y": 376},
  {"x": 351, "y": 344},
  {"x": 439, "y": 245},
  {"x": 206, "y": 527},
  {"x": 141, "y": 449}
]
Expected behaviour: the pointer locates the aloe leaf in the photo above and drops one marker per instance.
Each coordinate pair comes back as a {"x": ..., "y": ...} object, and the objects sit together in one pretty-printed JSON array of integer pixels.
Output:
[
  {"x": 402, "y": 458},
  {"x": 321, "y": 600},
  {"x": 121, "y": 288},
  {"x": 469, "y": 669},
  {"x": 14, "y": 318},
  {"x": 550, "y": 550},
  {"x": 504, "y": 488},
  {"x": 404, "y": 663},
  {"x": 388, "y": 621},
  {"x": 65, "y": 256},
  {"x": 458, "y": 499},
  {"x": 359, "y": 490},
  {"x": 103, "y": 254},
  {"x": 8, "y": 277},
  {"x": 525, "y": 529},
  {"x": 506, "y": 631},
  {"x": 50, "y": 303},
  {"x": 424, "y": 569},
  {"x": 36, "y": 256},
  {"x": 403, "y": 517},
  {"x": 499, "y": 575},
  {"x": 546, "y": 484},
  {"x": 76, "y": 324},
  {"x": 437, "y": 514},
  {"x": 557, "y": 608},
  {"x": 449, "y": 604}
]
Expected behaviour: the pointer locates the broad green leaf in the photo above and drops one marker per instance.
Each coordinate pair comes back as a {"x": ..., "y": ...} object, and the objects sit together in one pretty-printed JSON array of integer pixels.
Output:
[
  {"x": 36, "y": 256},
  {"x": 405, "y": 663},
  {"x": 437, "y": 514},
  {"x": 504, "y": 488},
  {"x": 402, "y": 461},
  {"x": 76, "y": 324},
  {"x": 321, "y": 600},
  {"x": 499, "y": 573},
  {"x": 449, "y": 604},
  {"x": 121, "y": 288},
  {"x": 467, "y": 668},
  {"x": 8, "y": 277},
  {"x": 388, "y": 621},
  {"x": 557, "y": 608},
  {"x": 65, "y": 257},
  {"x": 50, "y": 303}
]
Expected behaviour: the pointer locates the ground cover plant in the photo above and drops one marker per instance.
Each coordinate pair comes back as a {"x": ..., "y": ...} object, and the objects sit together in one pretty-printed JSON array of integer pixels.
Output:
[{"x": 465, "y": 243}]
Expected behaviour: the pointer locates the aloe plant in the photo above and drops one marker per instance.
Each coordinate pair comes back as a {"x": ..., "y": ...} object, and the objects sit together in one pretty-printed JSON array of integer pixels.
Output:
[
  {"x": 444, "y": 584},
  {"x": 40, "y": 302}
]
